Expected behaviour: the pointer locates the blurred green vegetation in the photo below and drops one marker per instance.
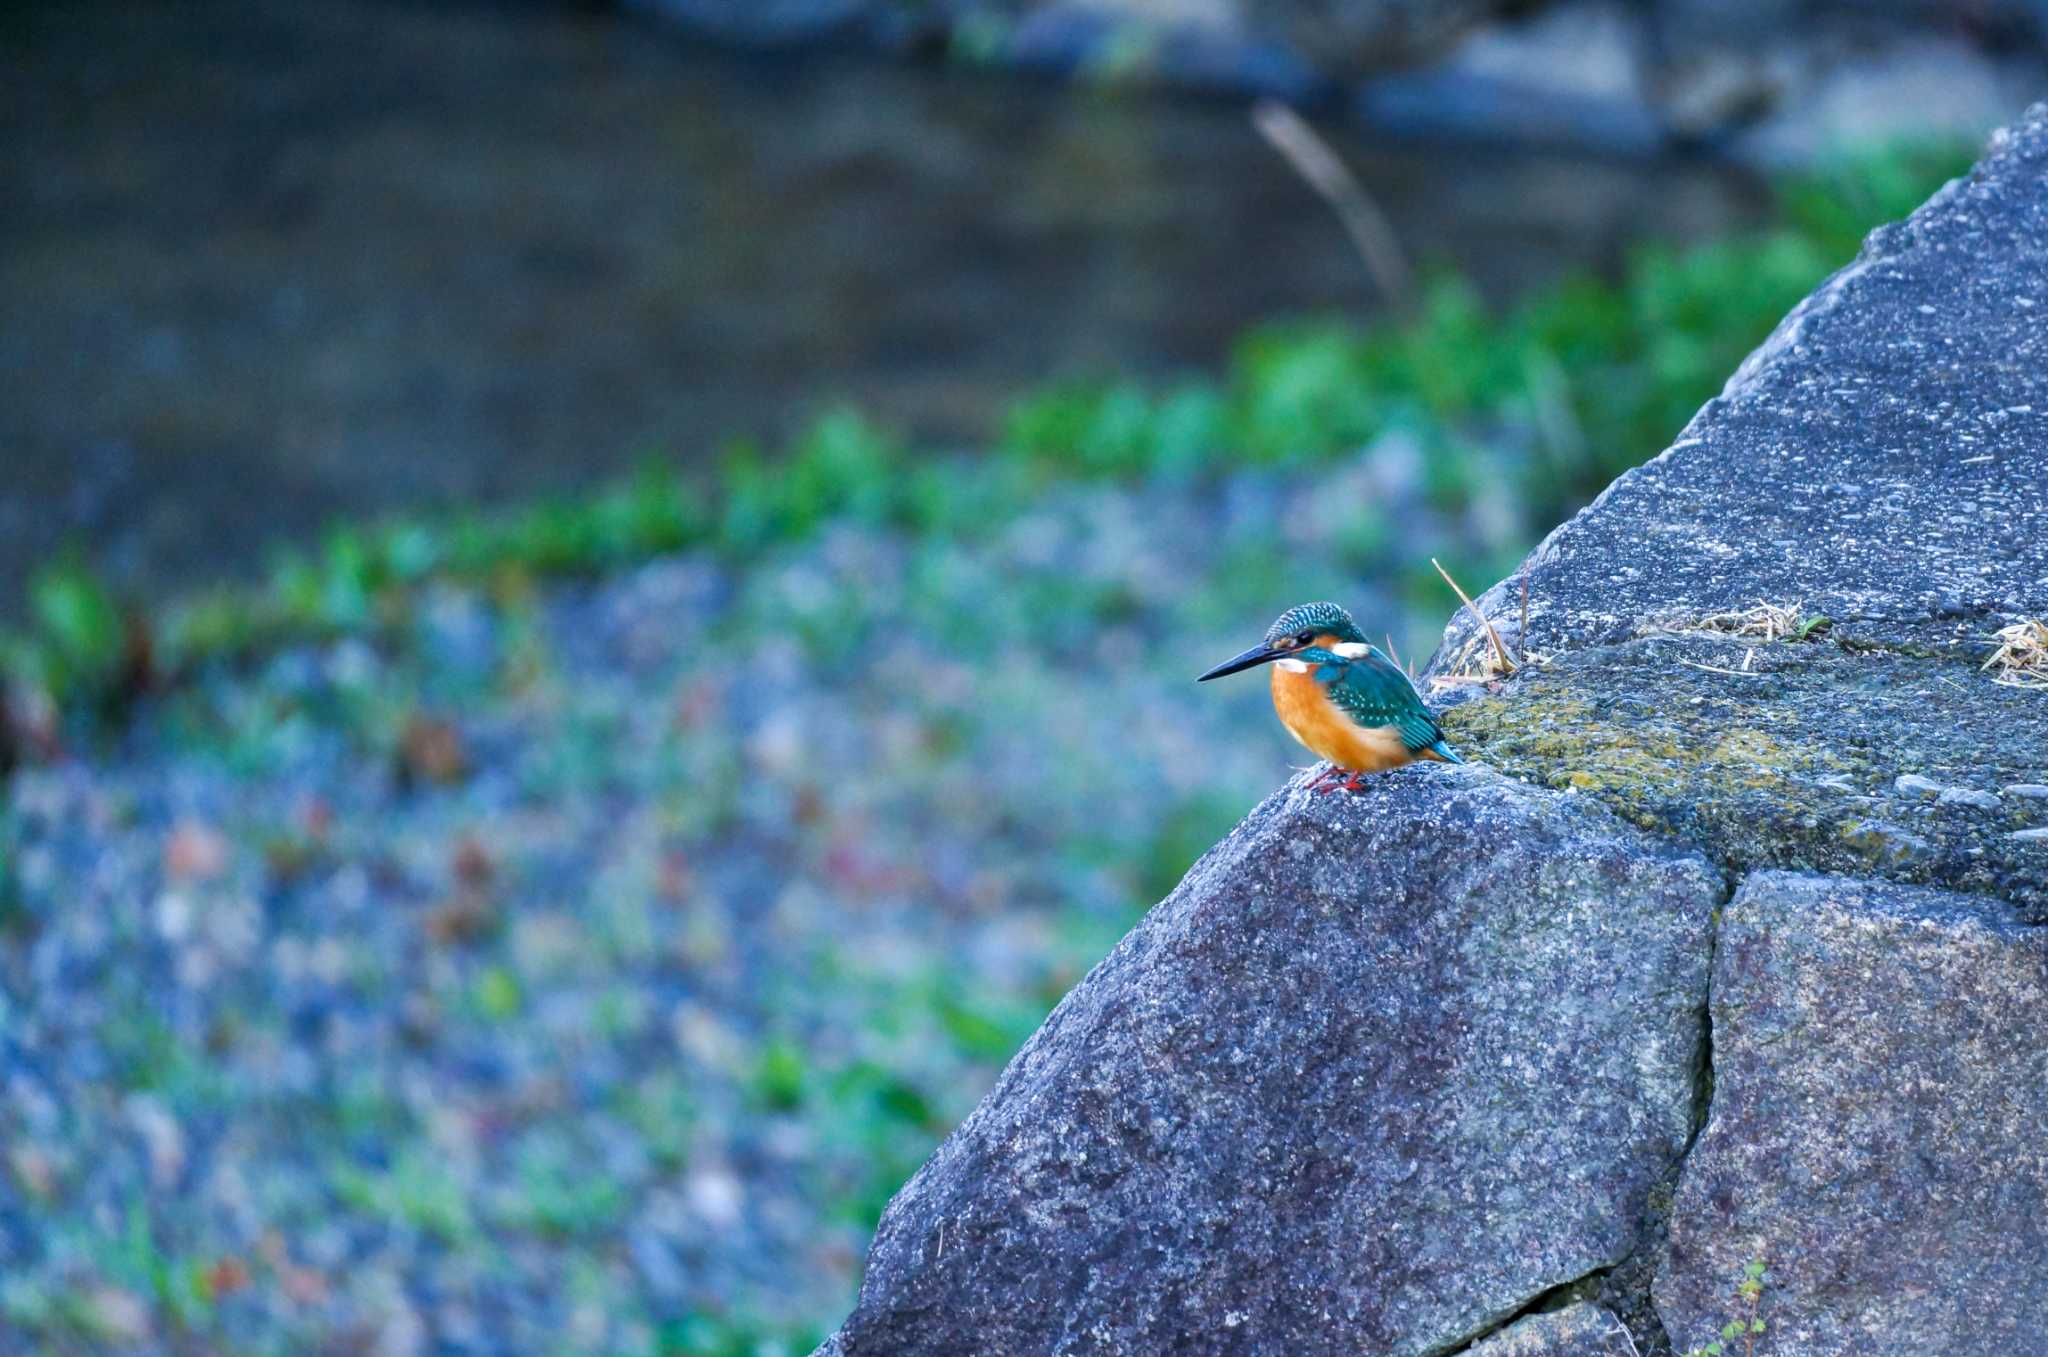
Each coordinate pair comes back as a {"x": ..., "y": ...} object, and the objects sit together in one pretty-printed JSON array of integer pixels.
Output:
[
  {"x": 1595, "y": 375},
  {"x": 1606, "y": 373}
]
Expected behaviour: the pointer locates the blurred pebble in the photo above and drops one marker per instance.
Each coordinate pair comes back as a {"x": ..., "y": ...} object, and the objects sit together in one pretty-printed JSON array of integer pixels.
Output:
[
  {"x": 194, "y": 852},
  {"x": 162, "y": 1137}
]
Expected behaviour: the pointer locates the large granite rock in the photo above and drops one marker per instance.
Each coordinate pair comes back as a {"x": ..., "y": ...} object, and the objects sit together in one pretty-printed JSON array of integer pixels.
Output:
[
  {"x": 1880, "y": 459},
  {"x": 1382, "y": 1070},
  {"x": 1877, "y": 1133},
  {"x": 1879, "y": 462}
]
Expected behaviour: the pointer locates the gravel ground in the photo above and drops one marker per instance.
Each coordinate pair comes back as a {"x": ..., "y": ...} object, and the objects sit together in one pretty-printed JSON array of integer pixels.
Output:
[{"x": 578, "y": 967}]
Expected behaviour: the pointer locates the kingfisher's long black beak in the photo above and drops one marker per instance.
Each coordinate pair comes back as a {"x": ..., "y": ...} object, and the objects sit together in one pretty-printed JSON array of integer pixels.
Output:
[{"x": 1258, "y": 654}]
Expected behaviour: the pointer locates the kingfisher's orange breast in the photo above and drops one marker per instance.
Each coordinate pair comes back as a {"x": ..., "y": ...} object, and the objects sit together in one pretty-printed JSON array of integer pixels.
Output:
[{"x": 1321, "y": 725}]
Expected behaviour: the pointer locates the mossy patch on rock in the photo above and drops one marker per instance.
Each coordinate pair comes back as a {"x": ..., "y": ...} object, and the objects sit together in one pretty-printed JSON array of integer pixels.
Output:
[{"x": 1792, "y": 762}]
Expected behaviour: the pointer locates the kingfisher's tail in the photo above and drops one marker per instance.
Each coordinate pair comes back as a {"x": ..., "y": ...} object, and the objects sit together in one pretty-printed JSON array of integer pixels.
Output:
[{"x": 1443, "y": 752}]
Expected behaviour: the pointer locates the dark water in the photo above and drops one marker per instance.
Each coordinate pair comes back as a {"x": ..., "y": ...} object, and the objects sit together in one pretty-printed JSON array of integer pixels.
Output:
[{"x": 263, "y": 265}]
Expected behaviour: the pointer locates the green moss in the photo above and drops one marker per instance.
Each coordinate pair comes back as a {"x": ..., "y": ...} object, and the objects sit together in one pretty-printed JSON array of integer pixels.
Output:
[
  {"x": 1635, "y": 764},
  {"x": 1791, "y": 767}
]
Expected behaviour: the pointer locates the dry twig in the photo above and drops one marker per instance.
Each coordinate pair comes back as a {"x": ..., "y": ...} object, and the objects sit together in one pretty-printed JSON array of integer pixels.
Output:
[
  {"x": 1504, "y": 662},
  {"x": 1370, "y": 231},
  {"x": 1522, "y": 636}
]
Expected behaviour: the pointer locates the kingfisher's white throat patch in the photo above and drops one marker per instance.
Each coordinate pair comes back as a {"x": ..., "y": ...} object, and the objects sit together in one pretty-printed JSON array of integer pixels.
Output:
[{"x": 1295, "y": 666}]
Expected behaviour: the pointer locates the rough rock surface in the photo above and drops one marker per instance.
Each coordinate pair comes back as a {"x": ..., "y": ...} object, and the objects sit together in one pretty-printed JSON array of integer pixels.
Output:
[
  {"x": 1879, "y": 463},
  {"x": 1879, "y": 459},
  {"x": 1382, "y": 1070},
  {"x": 1581, "y": 1330},
  {"x": 1877, "y": 1125}
]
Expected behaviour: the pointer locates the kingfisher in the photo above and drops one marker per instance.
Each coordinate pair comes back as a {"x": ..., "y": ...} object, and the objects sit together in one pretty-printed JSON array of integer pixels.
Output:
[{"x": 1341, "y": 697}]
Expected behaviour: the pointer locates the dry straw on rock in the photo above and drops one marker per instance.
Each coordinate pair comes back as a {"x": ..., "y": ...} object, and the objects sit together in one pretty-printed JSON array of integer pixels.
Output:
[
  {"x": 2021, "y": 660},
  {"x": 1765, "y": 622}
]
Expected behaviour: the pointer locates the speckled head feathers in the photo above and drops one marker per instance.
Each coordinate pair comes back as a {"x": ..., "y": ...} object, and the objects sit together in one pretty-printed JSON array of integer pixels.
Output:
[{"x": 1319, "y": 618}]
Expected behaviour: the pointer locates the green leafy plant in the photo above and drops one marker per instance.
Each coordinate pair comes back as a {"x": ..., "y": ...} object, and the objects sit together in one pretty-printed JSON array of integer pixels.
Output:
[
  {"x": 781, "y": 1076},
  {"x": 1747, "y": 1324},
  {"x": 79, "y": 643}
]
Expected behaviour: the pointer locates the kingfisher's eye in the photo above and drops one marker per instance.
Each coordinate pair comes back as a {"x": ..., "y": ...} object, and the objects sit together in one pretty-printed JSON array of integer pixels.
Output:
[{"x": 1304, "y": 638}]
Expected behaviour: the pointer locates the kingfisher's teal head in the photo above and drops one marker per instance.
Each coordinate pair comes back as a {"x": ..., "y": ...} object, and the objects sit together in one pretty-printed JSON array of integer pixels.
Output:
[{"x": 1300, "y": 627}]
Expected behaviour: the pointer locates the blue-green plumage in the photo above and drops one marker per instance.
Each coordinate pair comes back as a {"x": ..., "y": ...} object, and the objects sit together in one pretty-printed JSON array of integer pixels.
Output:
[{"x": 1374, "y": 691}]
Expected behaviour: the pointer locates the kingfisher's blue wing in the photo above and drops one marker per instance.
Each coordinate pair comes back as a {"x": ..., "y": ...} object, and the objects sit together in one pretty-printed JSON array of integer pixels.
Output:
[{"x": 1373, "y": 691}]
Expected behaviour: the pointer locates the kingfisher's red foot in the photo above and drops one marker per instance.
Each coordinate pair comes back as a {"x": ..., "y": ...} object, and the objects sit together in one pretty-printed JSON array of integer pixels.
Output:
[{"x": 1333, "y": 779}]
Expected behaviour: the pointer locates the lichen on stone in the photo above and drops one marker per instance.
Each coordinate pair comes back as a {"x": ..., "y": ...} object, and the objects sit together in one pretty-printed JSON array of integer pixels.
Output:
[{"x": 1791, "y": 763}]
